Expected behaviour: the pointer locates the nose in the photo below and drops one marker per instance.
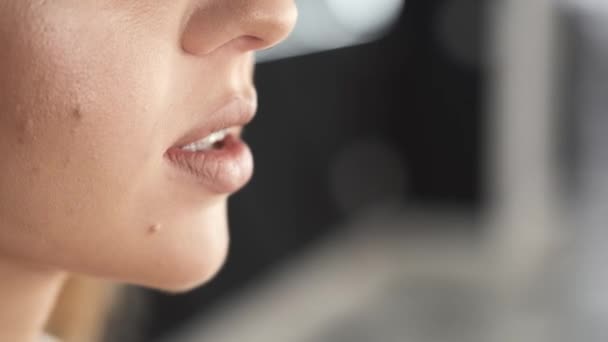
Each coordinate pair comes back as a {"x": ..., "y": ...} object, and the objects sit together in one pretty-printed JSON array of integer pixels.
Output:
[{"x": 246, "y": 24}]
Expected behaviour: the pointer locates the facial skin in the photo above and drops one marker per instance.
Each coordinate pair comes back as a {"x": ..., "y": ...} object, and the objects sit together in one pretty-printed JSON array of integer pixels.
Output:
[{"x": 92, "y": 94}]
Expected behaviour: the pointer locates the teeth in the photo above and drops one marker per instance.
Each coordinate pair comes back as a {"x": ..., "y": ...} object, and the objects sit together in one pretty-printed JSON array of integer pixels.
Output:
[{"x": 206, "y": 143}]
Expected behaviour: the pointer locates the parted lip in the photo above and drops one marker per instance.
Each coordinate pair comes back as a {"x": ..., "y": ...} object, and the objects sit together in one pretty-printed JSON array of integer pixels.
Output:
[{"x": 233, "y": 113}]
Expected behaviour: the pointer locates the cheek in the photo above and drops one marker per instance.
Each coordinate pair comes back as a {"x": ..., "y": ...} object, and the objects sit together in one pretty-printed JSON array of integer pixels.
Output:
[
  {"x": 75, "y": 121},
  {"x": 83, "y": 174}
]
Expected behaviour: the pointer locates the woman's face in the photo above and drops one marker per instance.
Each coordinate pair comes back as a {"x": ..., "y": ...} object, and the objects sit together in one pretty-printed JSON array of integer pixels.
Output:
[{"x": 100, "y": 101}]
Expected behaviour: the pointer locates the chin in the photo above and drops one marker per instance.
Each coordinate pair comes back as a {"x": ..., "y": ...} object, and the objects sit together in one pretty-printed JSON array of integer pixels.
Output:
[
  {"x": 197, "y": 269},
  {"x": 190, "y": 257},
  {"x": 185, "y": 273},
  {"x": 187, "y": 282}
]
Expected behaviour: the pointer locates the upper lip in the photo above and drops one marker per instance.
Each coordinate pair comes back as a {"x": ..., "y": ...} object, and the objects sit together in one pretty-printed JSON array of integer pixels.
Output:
[{"x": 235, "y": 112}]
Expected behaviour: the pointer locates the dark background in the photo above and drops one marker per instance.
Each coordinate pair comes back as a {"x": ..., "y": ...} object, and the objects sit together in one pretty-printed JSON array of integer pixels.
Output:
[{"x": 416, "y": 91}]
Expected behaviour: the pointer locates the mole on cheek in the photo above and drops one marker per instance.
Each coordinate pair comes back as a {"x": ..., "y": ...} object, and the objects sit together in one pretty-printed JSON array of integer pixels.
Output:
[
  {"x": 25, "y": 130},
  {"x": 66, "y": 161},
  {"x": 76, "y": 117},
  {"x": 154, "y": 229},
  {"x": 77, "y": 114}
]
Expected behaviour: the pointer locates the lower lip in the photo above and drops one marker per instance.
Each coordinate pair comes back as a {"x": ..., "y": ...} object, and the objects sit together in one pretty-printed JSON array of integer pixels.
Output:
[{"x": 224, "y": 170}]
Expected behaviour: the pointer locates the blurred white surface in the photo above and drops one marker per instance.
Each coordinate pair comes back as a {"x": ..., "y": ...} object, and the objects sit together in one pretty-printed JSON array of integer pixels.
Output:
[{"x": 331, "y": 24}]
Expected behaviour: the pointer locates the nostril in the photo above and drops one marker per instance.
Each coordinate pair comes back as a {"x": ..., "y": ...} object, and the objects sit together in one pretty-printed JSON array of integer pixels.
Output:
[
  {"x": 248, "y": 25},
  {"x": 248, "y": 43}
]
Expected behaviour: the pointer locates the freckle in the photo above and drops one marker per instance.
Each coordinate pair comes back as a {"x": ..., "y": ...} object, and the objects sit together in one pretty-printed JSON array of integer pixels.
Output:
[
  {"x": 77, "y": 114},
  {"x": 155, "y": 228},
  {"x": 36, "y": 169},
  {"x": 25, "y": 130},
  {"x": 77, "y": 117}
]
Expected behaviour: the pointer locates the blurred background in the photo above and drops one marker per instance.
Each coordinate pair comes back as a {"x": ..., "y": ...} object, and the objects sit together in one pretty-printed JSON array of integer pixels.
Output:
[{"x": 426, "y": 171}]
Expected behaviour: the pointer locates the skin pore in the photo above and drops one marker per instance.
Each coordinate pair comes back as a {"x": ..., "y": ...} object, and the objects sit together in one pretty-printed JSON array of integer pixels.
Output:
[{"x": 92, "y": 95}]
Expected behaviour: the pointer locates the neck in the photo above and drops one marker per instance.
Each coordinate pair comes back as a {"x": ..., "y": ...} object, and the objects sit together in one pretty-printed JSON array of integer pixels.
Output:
[{"x": 27, "y": 295}]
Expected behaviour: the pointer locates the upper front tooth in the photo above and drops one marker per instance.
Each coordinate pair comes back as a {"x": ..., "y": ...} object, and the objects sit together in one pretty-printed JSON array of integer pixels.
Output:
[{"x": 207, "y": 142}]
